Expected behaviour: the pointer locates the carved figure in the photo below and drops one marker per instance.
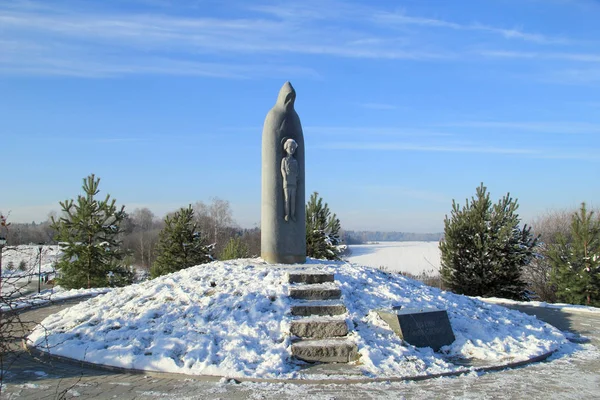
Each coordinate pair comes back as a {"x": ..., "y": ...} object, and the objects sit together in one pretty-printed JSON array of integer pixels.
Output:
[
  {"x": 289, "y": 171},
  {"x": 283, "y": 213}
]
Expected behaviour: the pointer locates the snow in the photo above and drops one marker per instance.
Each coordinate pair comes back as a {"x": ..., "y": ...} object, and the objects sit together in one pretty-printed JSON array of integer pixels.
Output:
[
  {"x": 557, "y": 306},
  {"x": 30, "y": 254},
  {"x": 412, "y": 257},
  {"x": 232, "y": 319},
  {"x": 50, "y": 295}
]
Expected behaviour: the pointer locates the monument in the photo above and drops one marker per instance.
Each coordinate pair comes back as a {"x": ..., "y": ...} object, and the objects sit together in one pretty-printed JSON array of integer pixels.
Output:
[
  {"x": 283, "y": 224},
  {"x": 424, "y": 327}
]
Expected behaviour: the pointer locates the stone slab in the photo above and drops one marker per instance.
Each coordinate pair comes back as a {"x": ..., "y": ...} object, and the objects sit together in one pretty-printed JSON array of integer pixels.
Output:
[
  {"x": 424, "y": 327},
  {"x": 325, "y": 307},
  {"x": 328, "y": 350},
  {"x": 309, "y": 277},
  {"x": 315, "y": 292},
  {"x": 319, "y": 328}
]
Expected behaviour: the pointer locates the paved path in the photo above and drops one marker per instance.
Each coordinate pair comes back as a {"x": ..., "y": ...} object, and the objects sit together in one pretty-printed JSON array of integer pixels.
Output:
[{"x": 573, "y": 373}]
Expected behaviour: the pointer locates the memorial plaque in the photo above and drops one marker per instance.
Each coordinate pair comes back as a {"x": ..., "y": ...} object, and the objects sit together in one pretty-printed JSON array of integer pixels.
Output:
[{"x": 420, "y": 327}]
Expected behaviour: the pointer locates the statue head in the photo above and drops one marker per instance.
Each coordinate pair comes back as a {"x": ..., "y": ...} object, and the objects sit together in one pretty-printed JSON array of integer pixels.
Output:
[
  {"x": 287, "y": 96},
  {"x": 290, "y": 146}
]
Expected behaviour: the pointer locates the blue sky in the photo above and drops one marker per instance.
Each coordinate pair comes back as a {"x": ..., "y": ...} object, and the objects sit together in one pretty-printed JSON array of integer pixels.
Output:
[{"x": 405, "y": 105}]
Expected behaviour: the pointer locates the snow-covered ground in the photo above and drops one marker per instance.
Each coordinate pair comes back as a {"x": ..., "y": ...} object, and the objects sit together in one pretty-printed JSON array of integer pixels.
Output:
[
  {"x": 412, "y": 257},
  {"x": 55, "y": 294},
  {"x": 232, "y": 318},
  {"x": 29, "y": 256},
  {"x": 558, "y": 306}
]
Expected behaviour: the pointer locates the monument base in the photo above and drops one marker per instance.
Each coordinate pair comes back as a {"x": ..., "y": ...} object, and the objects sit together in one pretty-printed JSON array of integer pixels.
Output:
[
  {"x": 420, "y": 327},
  {"x": 283, "y": 258}
]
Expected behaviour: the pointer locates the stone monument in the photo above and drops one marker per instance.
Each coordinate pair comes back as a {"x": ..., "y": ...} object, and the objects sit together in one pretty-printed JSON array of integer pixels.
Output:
[
  {"x": 283, "y": 224},
  {"x": 424, "y": 327}
]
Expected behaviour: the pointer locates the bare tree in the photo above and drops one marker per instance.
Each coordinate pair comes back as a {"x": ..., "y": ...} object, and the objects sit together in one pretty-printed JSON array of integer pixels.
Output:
[
  {"x": 142, "y": 229},
  {"x": 537, "y": 274},
  {"x": 215, "y": 221}
]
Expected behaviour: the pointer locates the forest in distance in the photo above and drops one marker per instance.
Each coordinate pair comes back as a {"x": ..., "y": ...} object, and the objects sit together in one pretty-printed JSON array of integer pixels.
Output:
[{"x": 144, "y": 220}]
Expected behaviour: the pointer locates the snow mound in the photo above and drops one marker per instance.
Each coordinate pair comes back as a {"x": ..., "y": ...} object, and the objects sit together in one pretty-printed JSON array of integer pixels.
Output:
[{"x": 232, "y": 319}]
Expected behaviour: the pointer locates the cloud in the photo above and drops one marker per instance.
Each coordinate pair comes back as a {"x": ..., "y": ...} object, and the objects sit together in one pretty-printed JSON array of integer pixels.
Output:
[
  {"x": 92, "y": 39},
  {"x": 96, "y": 43},
  {"x": 560, "y": 127},
  {"x": 372, "y": 131},
  {"x": 400, "y": 19},
  {"x": 428, "y": 148},
  {"x": 579, "y": 57},
  {"x": 573, "y": 76},
  {"x": 537, "y": 153}
]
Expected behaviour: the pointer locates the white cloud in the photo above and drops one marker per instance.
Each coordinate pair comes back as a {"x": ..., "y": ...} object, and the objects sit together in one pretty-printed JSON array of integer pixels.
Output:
[
  {"x": 574, "y": 76},
  {"x": 400, "y": 19},
  {"x": 94, "y": 40},
  {"x": 566, "y": 127},
  {"x": 429, "y": 148},
  {"x": 579, "y": 57},
  {"x": 358, "y": 131},
  {"x": 99, "y": 44}
]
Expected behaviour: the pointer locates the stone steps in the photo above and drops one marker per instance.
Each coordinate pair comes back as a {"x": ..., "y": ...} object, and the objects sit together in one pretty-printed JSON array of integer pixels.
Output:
[
  {"x": 314, "y": 307},
  {"x": 321, "y": 334},
  {"x": 309, "y": 277},
  {"x": 325, "y": 350},
  {"x": 319, "y": 291},
  {"x": 319, "y": 328}
]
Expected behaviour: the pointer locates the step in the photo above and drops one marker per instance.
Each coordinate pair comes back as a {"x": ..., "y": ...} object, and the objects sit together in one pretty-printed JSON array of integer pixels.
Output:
[
  {"x": 309, "y": 277},
  {"x": 312, "y": 307},
  {"x": 319, "y": 327},
  {"x": 319, "y": 291},
  {"x": 325, "y": 350}
]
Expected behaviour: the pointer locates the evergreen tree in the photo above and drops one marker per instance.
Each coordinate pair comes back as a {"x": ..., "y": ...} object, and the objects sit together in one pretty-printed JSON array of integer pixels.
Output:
[
  {"x": 322, "y": 230},
  {"x": 575, "y": 260},
  {"x": 180, "y": 245},
  {"x": 89, "y": 233},
  {"x": 235, "y": 248},
  {"x": 484, "y": 249}
]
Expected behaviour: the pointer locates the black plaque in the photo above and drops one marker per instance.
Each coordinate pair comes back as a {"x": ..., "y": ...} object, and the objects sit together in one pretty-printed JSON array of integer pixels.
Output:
[{"x": 420, "y": 327}]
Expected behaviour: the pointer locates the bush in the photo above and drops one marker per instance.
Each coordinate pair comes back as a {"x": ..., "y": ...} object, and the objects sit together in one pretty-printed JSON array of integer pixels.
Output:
[
  {"x": 322, "y": 230},
  {"x": 180, "y": 245},
  {"x": 575, "y": 260},
  {"x": 234, "y": 249},
  {"x": 538, "y": 274},
  {"x": 484, "y": 249},
  {"x": 89, "y": 233}
]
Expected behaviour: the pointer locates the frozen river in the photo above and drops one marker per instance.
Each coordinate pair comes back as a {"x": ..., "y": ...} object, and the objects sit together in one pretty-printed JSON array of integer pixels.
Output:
[{"x": 412, "y": 257}]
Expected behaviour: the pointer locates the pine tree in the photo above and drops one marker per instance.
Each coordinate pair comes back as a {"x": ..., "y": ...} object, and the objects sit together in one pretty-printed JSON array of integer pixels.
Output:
[
  {"x": 235, "y": 248},
  {"x": 575, "y": 260},
  {"x": 180, "y": 245},
  {"x": 89, "y": 233},
  {"x": 322, "y": 230},
  {"x": 484, "y": 249}
]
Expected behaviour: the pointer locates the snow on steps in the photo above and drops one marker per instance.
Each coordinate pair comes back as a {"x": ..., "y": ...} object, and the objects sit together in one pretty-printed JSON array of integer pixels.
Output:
[
  {"x": 321, "y": 338},
  {"x": 308, "y": 277},
  {"x": 325, "y": 350},
  {"x": 318, "y": 307},
  {"x": 319, "y": 291},
  {"x": 319, "y": 327}
]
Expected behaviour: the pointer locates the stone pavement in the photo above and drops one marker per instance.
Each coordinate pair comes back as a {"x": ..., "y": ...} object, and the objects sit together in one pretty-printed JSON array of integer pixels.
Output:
[{"x": 573, "y": 373}]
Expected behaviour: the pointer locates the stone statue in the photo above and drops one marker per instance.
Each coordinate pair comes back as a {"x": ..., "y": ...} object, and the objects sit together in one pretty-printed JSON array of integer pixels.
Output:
[
  {"x": 283, "y": 213},
  {"x": 289, "y": 172}
]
